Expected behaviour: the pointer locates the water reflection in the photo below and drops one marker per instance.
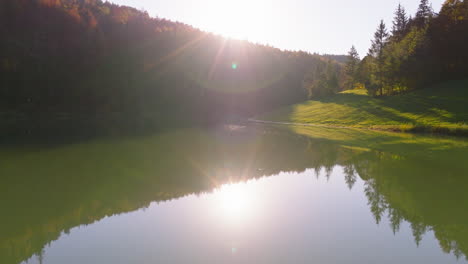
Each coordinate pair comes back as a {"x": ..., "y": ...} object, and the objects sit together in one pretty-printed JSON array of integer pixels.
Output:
[
  {"x": 236, "y": 201},
  {"x": 414, "y": 185}
]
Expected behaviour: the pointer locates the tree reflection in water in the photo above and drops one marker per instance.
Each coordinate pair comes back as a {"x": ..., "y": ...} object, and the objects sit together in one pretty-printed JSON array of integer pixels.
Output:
[{"x": 46, "y": 191}]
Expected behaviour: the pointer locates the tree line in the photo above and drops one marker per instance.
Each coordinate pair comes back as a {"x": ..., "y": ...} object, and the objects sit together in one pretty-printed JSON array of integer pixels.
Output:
[
  {"x": 100, "y": 65},
  {"x": 72, "y": 64},
  {"x": 417, "y": 51}
]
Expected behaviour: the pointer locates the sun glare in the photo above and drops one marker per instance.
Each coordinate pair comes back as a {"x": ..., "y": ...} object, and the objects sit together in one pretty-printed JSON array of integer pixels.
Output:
[
  {"x": 240, "y": 19},
  {"x": 235, "y": 201}
]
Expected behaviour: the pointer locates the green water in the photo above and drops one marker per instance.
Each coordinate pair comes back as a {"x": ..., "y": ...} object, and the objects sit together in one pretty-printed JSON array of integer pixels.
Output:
[{"x": 233, "y": 194}]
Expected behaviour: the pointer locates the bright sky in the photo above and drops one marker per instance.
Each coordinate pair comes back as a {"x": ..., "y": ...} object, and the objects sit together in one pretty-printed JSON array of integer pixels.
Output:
[{"x": 322, "y": 26}]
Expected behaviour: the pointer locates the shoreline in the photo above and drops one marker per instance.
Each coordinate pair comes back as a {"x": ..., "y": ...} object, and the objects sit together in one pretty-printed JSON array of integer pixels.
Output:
[{"x": 444, "y": 131}]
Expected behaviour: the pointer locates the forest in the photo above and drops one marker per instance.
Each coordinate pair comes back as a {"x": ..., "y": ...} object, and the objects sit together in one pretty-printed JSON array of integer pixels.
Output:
[
  {"x": 413, "y": 78},
  {"x": 417, "y": 51},
  {"x": 90, "y": 66},
  {"x": 106, "y": 111}
]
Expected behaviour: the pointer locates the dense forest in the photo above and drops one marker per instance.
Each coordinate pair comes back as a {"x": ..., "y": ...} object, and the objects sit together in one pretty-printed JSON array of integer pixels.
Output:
[
  {"x": 89, "y": 66},
  {"x": 73, "y": 64},
  {"x": 417, "y": 51}
]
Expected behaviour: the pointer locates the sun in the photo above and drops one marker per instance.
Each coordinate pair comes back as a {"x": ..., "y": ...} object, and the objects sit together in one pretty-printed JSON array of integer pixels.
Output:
[{"x": 239, "y": 19}]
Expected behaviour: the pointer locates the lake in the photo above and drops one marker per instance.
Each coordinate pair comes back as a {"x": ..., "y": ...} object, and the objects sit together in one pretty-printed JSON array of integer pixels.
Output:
[{"x": 237, "y": 194}]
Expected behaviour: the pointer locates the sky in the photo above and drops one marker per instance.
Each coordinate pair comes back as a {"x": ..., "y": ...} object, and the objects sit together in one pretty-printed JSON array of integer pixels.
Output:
[{"x": 321, "y": 26}]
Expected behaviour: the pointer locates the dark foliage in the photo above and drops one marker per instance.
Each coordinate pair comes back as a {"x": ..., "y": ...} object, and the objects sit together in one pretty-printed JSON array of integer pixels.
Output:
[
  {"x": 74, "y": 64},
  {"x": 338, "y": 58},
  {"x": 428, "y": 49}
]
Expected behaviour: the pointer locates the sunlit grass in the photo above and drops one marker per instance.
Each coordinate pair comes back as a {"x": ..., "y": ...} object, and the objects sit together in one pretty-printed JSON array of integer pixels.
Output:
[{"x": 439, "y": 109}]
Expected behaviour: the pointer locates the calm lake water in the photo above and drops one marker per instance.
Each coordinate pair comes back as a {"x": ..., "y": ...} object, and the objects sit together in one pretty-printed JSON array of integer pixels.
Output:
[{"x": 237, "y": 195}]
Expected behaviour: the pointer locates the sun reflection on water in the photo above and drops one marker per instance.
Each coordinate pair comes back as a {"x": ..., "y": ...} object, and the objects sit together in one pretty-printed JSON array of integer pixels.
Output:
[{"x": 236, "y": 201}]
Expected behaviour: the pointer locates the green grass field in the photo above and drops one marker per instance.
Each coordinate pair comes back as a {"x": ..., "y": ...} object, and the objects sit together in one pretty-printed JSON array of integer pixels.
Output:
[{"x": 439, "y": 109}]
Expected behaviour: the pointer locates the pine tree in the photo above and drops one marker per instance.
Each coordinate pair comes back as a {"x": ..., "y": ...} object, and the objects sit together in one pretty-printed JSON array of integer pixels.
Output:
[
  {"x": 376, "y": 51},
  {"x": 380, "y": 39},
  {"x": 424, "y": 13},
  {"x": 400, "y": 22},
  {"x": 351, "y": 67}
]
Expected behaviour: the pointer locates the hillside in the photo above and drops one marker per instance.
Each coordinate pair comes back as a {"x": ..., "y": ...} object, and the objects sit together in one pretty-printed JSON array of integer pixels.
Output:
[
  {"x": 90, "y": 67},
  {"x": 440, "y": 109},
  {"x": 74, "y": 65}
]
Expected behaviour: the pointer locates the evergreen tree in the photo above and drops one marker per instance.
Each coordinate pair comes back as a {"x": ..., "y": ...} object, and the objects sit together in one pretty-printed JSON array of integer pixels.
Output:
[
  {"x": 323, "y": 80},
  {"x": 448, "y": 34},
  {"x": 379, "y": 41},
  {"x": 376, "y": 51},
  {"x": 400, "y": 22},
  {"x": 352, "y": 67},
  {"x": 424, "y": 13},
  {"x": 365, "y": 74}
]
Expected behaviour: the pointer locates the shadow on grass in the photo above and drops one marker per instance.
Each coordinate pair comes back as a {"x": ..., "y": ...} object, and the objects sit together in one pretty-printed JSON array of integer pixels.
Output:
[
  {"x": 439, "y": 109},
  {"x": 369, "y": 105}
]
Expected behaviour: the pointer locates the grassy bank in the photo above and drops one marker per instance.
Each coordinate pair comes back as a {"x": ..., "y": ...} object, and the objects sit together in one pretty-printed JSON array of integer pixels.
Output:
[{"x": 439, "y": 109}]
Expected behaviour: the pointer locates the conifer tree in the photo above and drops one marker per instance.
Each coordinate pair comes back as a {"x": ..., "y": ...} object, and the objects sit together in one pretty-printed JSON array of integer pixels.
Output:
[
  {"x": 400, "y": 22},
  {"x": 376, "y": 51},
  {"x": 351, "y": 67},
  {"x": 424, "y": 13}
]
